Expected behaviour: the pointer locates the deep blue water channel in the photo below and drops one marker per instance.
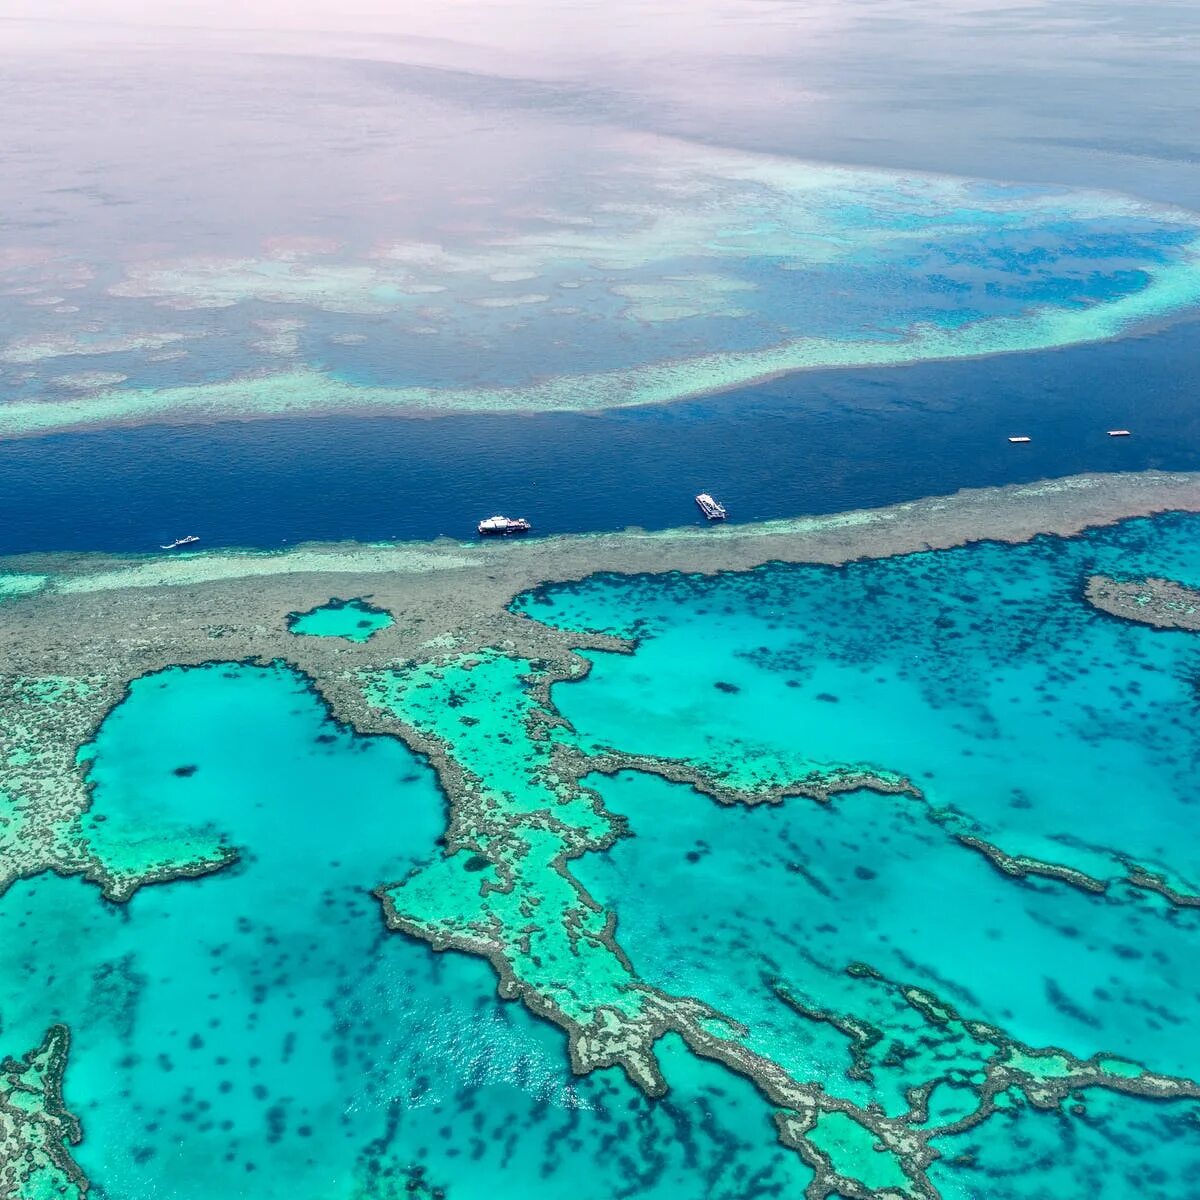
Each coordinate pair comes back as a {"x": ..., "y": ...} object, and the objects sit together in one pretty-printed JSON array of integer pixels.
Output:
[{"x": 813, "y": 442}]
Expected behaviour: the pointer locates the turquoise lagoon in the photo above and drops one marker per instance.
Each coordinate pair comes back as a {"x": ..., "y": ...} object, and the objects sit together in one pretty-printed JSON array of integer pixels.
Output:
[
  {"x": 258, "y": 1032},
  {"x": 355, "y": 620},
  {"x": 1023, "y": 716}
]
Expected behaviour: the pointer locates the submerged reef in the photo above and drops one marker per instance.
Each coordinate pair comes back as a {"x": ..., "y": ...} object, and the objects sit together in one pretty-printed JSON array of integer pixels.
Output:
[
  {"x": 45, "y": 819},
  {"x": 468, "y": 678},
  {"x": 36, "y": 1130},
  {"x": 941, "y": 1074},
  {"x": 688, "y": 269},
  {"x": 519, "y": 815},
  {"x": 1161, "y": 603},
  {"x": 1021, "y": 866}
]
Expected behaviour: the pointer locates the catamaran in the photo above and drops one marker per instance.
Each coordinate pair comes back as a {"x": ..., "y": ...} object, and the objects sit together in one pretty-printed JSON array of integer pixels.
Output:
[{"x": 710, "y": 508}]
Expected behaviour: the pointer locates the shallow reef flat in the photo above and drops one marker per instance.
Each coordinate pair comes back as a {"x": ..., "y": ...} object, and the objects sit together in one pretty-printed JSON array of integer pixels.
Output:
[
  {"x": 956, "y": 920},
  {"x": 35, "y": 1126},
  {"x": 1162, "y": 603}
]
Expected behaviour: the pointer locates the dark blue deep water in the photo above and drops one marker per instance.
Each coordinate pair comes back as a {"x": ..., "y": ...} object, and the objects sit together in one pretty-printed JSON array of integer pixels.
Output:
[{"x": 810, "y": 443}]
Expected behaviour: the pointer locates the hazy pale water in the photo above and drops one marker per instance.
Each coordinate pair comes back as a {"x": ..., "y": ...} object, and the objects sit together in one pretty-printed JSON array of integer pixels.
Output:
[{"x": 678, "y": 253}]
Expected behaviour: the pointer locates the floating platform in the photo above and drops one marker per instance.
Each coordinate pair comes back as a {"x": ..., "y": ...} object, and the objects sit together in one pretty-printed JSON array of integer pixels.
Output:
[
  {"x": 503, "y": 526},
  {"x": 1020, "y": 439},
  {"x": 710, "y": 508},
  {"x": 1118, "y": 433}
]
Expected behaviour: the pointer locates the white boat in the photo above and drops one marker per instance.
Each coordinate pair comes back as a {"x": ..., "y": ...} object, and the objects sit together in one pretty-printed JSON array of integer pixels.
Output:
[
  {"x": 1020, "y": 440},
  {"x": 502, "y": 526},
  {"x": 1118, "y": 433},
  {"x": 183, "y": 541},
  {"x": 710, "y": 508}
]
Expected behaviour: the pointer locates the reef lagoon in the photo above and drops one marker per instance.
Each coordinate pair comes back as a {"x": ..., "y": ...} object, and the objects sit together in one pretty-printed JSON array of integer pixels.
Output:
[
  {"x": 859, "y": 870},
  {"x": 354, "y": 620}
]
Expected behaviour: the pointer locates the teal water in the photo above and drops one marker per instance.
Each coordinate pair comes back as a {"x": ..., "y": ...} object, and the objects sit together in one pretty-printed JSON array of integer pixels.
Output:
[
  {"x": 355, "y": 620},
  {"x": 982, "y": 675},
  {"x": 1116, "y": 1147},
  {"x": 979, "y": 673},
  {"x": 257, "y": 1033}
]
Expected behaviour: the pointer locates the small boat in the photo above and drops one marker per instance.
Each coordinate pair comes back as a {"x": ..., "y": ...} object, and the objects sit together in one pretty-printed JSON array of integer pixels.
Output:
[
  {"x": 710, "y": 508},
  {"x": 1020, "y": 439},
  {"x": 1118, "y": 433},
  {"x": 183, "y": 541},
  {"x": 503, "y": 526}
]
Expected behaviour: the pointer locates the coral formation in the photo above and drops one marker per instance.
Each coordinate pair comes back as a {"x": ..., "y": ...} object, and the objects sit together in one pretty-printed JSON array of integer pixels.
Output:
[
  {"x": 36, "y": 1130},
  {"x": 1162, "y": 603},
  {"x": 465, "y": 678}
]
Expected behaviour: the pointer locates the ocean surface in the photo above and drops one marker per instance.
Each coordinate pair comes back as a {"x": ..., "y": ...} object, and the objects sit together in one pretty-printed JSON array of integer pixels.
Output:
[
  {"x": 565, "y": 211},
  {"x": 269, "y": 277},
  {"x": 258, "y": 1031},
  {"x": 821, "y": 442}
]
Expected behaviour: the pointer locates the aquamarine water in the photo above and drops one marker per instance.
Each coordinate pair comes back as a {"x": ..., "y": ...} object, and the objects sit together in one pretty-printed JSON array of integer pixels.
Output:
[
  {"x": 355, "y": 620},
  {"x": 258, "y": 1032},
  {"x": 1022, "y": 714},
  {"x": 980, "y": 674}
]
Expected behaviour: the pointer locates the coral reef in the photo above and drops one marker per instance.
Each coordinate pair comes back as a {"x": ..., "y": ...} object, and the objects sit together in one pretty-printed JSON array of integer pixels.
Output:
[
  {"x": 36, "y": 1130},
  {"x": 1161, "y": 603},
  {"x": 465, "y": 679}
]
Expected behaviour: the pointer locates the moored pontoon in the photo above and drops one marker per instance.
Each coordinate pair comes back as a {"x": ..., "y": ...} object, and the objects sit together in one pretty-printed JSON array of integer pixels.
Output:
[
  {"x": 710, "y": 508},
  {"x": 502, "y": 526}
]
